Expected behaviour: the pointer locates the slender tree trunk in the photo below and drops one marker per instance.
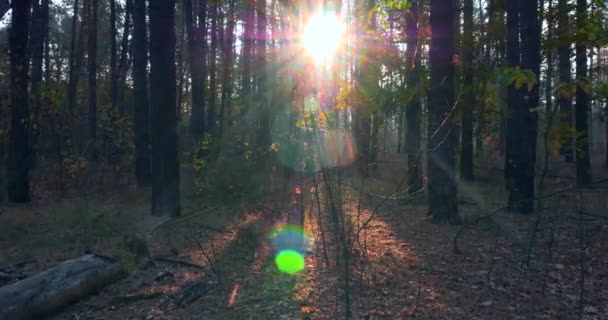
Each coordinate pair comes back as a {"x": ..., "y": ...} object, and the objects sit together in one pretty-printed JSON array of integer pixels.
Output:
[
  {"x": 113, "y": 56},
  {"x": 196, "y": 63},
  {"x": 443, "y": 207},
  {"x": 19, "y": 145},
  {"x": 211, "y": 105},
  {"x": 583, "y": 161},
  {"x": 514, "y": 98},
  {"x": 525, "y": 115},
  {"x": 228, "y": 53},
  {"x": 47, "y": 42},
  {"x": 73, "y": 61},
  {"x": 248, "y": 47},
  {"x": 140, "y": 94},
  {"x": 165, "y": 163},
  {"x": 412, "y": 108},
  {"x": 565, "y": 78},
  {"x": 550, "y": 62},
  {"x": 466, "y": 155},
  {"x": 40, "y": 16},
  {"x": 92, "y": 74},
  {"x": 123, "y": 64},
  {"x": 264, "y": 130}
]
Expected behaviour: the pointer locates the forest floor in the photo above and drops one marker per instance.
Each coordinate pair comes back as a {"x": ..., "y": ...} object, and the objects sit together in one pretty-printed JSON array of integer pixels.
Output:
[{"x": 403, "y": 267}]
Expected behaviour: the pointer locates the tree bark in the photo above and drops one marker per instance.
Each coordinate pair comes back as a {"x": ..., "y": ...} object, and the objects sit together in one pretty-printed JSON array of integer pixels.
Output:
[
  {"x": 19, "y": 137},
  {"x": 211, "y": 105},
  {"x": 40, "y": 16},
  {"x": 165, "y": 163},
  {"x": 92, "y": 78},
  {"x": 443, "y": 207},
  {"x": 583, "y": 160},
  {"x": 113, "y": 56},
  {"x": 565, "y": 78},
  {"x": 196, "y": 63},
  {"x": 466, "y": 152},
  {"x": 525, "y": 115},
  {"x": 74, "y": 65},
  {"x": 140, "y": 94},
  {"x": 50, "y": 290},
  {"x": 228, "y": 54},
  {"x": 412, "y": 108}
]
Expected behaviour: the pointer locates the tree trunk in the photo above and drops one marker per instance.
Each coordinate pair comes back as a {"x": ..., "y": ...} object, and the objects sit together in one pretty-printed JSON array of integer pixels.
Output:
[
  {"x": 140, "y": 94},
  {"x": 525, "y": 115},
  {"x": 92, "y": 74},
  {"x": 211, "y": 118},
  {"x": 565, "y": 78},
  {"x": 466, "y": 152},
  {"x": 123, "y": 65},
  {"x": 228, "y": 53},
  {"x": 514, "y": 96},
  {"x": 247, "y": 53},
  {"x": 583, "y": 161},
  {"x": 165, "y": 163},
  {"x": 19, "y": 144},
  {"x": 443, "y": 207},
  {"x": 550, "y": 61},
  {"x": 264, "y": 131},
  {"x": 74, "y": 72},
  {"x": 196, "y": 63},
  {"x": 113, "y": 56},
  {"x": 40, "y": 16},
  {"x": 412, "y": 108},
  {"x": 48, "y": 291},
  {"x": 47, "y": 42}
]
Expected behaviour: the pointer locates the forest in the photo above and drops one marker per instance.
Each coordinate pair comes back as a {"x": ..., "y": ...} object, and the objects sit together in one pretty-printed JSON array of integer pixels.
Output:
[{"x": 303, "y": 159}]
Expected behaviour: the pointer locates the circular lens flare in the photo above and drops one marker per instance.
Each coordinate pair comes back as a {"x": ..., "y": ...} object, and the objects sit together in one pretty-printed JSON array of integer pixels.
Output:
[
  {"x": 322, "y": 36},
  {"x": 290, "y": 261}
]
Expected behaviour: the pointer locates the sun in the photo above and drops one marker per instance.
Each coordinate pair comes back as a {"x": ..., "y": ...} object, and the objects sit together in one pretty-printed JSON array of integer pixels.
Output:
[{"x": 322, "y": 36}]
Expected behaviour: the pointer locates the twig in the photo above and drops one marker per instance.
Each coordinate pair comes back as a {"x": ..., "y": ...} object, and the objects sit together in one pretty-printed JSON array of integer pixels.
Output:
[{"x": 180, "y": 262}]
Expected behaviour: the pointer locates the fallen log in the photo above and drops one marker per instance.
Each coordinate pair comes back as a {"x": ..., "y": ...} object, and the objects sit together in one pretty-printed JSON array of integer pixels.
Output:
[{"x": 46, "y": 292}]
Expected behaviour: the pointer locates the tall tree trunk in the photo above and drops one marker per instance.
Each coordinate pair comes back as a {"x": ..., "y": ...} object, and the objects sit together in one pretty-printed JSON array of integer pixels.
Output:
[
  {"x": 264, "y": 130},
  {"x": 550, "y": 62},
  {"x": 165, "y": 163},
  {"x": 466, "y": 152},
  {"x": 123, "y": 64},
  {"x": 196, "y": 63},
  {"x": 514, "y": 96},
  {"x": 140, "y": 94},
  {"x": 211, "y": 118},
  {"x": 248, "y": 47},
  {"x": 443, "y": 207},
  {"x": 75, "y": 57},
  {"x": 565, "y": 77},
  {"x": 412, "y": 108},
  {"x": 92, "y": 78},
  {"x": 40, "y": 16},
  {"x": 228, "y": 53},
  {"x": 583, "y": 161},
  {"x": 47, "y": 42},
  {"x": 525, "y": 115},
  {"x": 19, "y": 145},
  {"x": 113, "y": 56}
]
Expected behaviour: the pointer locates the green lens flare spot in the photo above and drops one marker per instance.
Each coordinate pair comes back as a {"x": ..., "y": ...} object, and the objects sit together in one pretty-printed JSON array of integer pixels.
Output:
[{"x": 289, "y": 261}]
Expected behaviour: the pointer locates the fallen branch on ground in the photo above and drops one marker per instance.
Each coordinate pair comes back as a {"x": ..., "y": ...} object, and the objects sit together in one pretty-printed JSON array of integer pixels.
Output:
[{"x": 54, "y": 288}]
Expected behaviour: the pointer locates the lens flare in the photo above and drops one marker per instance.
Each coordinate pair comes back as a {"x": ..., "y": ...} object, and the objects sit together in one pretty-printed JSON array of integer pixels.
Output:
[
  {"x": 289, "y": 261},
  {"x": 322, "y": 36}
]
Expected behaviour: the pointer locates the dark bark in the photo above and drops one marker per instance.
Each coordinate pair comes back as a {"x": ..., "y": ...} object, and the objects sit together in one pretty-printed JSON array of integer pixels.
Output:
[
  {"x": 514, "y": 96},
  {"x": 47, "y": 42},
  {"x": 4, "y": 6},
  {"x": 466, "y": 152},
  {"x": 525, "y": 115},
  {"x": 412, "y": 108},
  {"x": 113, "y": 56},
  {"x": 550, "y": 62},
  {"x": 74, "y": 60},
  {"x": 211, "y": 105},
  {"x": 228, "y": 54},
  {"x": 19, "y": 144},
  {"x": 248, "y": 47},
  {"x": 583, "y": 161},
  {"x": 443, "y": 207},
  {"x": 92, "y": 78},
  {"x": 40, "y": 16},
  {"x": 123, "y": 64},
  {"x": 196, "y": 62},
  {"x": 565, "y": 77},
  {"x": 48, "y": 291},
  {"x": 165, "y": 163},
  {"x": 140, "y": 94},
  {"x": 264, "y": 130}
]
